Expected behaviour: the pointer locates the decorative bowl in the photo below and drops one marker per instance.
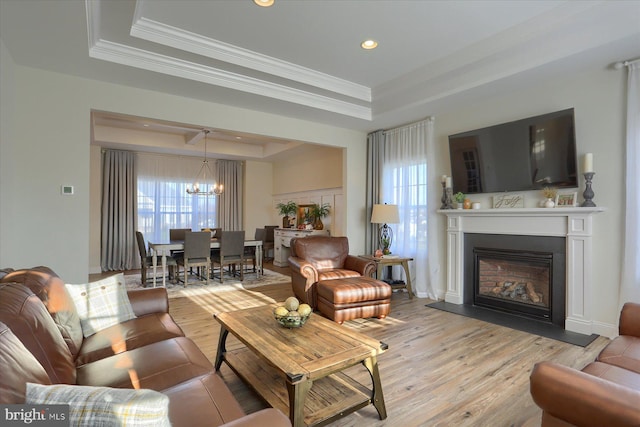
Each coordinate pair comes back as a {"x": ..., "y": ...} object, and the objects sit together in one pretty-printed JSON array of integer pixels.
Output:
[{"x": 292, "y": 321}]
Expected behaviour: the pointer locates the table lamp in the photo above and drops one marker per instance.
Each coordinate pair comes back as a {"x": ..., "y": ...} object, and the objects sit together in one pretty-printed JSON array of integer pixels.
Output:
[{"x": 385, "y": 214}]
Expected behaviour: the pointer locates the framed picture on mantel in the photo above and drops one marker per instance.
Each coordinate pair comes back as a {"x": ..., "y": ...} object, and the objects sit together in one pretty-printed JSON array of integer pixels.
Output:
[
  {"x": 508, "y": 201},
  {"x": 567, "y": 200}
]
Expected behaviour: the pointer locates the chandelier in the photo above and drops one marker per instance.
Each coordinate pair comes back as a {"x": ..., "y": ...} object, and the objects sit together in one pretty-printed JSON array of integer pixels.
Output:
[{"x": 199, "y": 186}]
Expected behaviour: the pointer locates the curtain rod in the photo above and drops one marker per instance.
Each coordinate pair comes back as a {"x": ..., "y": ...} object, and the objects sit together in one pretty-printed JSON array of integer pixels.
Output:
[
  {"x": 154, "y": 153},
  {"x": 181, "y": 156},
  {"x": 625, "y": 63},
  {"x": 428, "y": 118}
]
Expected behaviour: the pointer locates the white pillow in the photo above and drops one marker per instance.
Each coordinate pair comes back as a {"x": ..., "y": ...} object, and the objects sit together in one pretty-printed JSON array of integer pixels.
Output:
[
  {"x": 104, "y": 406},
  {"x": 101, "y": 304}
]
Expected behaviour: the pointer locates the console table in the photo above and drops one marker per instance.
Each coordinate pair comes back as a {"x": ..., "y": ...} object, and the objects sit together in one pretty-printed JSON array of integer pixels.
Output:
[{"x": 282, "y": 243}]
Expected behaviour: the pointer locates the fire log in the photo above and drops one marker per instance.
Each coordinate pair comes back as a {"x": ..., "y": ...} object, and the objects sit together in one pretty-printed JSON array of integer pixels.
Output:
[{"x": 533, "y": 295}]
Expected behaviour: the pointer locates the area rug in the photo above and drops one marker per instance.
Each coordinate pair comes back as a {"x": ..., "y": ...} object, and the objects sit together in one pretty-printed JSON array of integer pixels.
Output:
[
  {"x": 546, "y": 330},
  {"x": 178, "y": 290}
]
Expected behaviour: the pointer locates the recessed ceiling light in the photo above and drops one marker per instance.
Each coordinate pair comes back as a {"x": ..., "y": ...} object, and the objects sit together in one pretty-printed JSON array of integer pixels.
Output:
[
  {"x": 369, "y": 44},
  {"x": 264, "y": 3},
  {"x": 145, "y": 125}
]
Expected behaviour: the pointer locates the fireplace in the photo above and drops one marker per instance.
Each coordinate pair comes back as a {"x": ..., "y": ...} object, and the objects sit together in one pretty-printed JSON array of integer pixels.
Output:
[
  {"x": 519, "y": 275},
  {"x": 573, "y": 226}
]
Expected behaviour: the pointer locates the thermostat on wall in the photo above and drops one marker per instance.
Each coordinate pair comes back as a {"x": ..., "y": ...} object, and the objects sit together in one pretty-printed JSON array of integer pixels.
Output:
[{"x": 67, "y": 190}]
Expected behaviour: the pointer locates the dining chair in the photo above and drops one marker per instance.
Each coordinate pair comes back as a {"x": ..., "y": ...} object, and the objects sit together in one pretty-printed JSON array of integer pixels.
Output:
[
  {"x": 215, "y": 234},
  {"x": 268, "y": 241},
  {"x": 231, "y": 253},
  {"x": 177, "y": 234},
  {"x": 197, "y": 245},
  {"x": 250, "y": 251},
  {"x": 146, "y": 260}
]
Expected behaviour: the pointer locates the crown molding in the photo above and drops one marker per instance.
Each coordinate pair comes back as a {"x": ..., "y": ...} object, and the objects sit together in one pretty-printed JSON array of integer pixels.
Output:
[
  {"x": 178, "y": 38},
  {"x": 92, "y": 9},
  {"x": 143, "y": 59},
  {"x": 139, "y": 58}
]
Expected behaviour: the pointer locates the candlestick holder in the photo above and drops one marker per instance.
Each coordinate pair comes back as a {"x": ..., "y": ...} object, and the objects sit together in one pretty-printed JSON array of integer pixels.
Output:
[
  {"x": 443, "y": 199},
  {"x": 448, "y": 198},
  {"x": 588, "y": 192}
]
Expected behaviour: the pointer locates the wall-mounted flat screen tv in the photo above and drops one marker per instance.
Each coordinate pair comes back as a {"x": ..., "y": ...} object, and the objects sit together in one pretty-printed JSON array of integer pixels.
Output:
[{"x": 526, "y": 154}]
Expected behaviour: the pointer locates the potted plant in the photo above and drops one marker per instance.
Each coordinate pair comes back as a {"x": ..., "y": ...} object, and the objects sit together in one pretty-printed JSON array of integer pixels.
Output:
[
  {"x": 459, "y": 198},
  {"x": 287, "y": 209},
  {"x": 318, "y": 212}
]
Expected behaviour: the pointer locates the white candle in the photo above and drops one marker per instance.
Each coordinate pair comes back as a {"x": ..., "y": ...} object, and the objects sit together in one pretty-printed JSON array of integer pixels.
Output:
[
  {"x": 443, "y": 179},
  {"x": 588, "y": 163},
  {"x": 448, "y": 182}
]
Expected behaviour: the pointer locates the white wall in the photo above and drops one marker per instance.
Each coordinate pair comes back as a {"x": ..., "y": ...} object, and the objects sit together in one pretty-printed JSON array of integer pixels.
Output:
[
  {"x": 48, "y": 147},
  {"x": 7, "y": 99},
  {"x": 313, "y": 168},
  {"x": 313, "y": 175},
  {"x": 599, "y": 102},
  {"x": 47, "y": 142}
]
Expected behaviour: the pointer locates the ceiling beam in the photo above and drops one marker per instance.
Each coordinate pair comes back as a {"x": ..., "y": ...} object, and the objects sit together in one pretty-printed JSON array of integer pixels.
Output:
[{"x": 195, "y": 139}]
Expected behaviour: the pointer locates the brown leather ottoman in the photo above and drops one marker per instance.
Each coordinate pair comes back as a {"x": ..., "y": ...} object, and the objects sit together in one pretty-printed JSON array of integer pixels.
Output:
[{"x": 353, "y": 298}]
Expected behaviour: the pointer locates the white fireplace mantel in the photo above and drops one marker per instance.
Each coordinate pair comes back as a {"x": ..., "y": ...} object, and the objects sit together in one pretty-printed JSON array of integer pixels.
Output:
[{"x": 575, "y": 224}]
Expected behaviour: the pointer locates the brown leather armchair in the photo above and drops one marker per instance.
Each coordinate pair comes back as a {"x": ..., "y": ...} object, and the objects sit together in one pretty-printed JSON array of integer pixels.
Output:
[
  {"x": 317, "y": 258},
  {"x": 605, "y": 392}
]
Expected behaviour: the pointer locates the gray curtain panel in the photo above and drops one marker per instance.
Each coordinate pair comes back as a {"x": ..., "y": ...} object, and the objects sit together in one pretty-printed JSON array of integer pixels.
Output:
[
  {"x": 230, "y": 207},
  {"x": 375, "y": 149},
  {"x": 119, "y": 211}
]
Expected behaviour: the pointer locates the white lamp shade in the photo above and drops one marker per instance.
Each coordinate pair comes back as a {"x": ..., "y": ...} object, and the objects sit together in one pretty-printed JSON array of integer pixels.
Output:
[{"x": 385, "y": 214}]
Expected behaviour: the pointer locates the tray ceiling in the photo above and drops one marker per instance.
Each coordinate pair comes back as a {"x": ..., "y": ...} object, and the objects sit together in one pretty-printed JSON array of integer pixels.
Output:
[{"x": 303, "y": 58}]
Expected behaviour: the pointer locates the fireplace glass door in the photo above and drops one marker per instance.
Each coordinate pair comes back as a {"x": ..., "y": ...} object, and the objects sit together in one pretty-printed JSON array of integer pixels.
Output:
[{"x": 514, "y": 281}]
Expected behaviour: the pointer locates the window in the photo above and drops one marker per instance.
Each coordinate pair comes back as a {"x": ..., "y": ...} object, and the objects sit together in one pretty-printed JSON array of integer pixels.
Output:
[
  {"x": 406, "y": 186},
  {"x": 163, "y": 201},
  {"x": 403, "y": 181}
]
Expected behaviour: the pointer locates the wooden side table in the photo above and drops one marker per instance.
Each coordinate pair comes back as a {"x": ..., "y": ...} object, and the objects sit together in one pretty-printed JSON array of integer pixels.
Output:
[{"x": 384, "y": 261}]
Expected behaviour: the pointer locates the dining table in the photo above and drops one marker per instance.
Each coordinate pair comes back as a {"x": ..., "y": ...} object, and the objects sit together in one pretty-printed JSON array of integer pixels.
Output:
[{"x": 162, "y": 249}]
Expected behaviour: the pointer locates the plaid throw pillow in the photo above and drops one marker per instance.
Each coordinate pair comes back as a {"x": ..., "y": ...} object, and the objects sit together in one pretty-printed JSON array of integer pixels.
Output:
[
  {"x": 101, "y": 304},
  {"x": 104, "y": 406}
]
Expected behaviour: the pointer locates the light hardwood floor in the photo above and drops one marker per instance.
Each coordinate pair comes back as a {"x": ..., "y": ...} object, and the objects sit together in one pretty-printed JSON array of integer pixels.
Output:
[{"x": 441, "y": 369}]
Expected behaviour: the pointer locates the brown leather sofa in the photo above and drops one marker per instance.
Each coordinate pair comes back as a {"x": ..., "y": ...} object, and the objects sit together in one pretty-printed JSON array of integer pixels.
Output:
[
  {"x": 41, "y": 342},
  {"x": 317, "y": 258},
  {"x": 605, "y": 393}
]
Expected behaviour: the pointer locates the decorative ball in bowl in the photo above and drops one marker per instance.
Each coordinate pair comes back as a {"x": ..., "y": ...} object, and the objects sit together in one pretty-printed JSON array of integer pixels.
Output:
[{"x": 292, "y": 314}]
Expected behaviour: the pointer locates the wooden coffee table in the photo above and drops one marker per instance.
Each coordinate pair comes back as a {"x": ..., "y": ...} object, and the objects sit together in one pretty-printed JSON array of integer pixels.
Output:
[{"x": 300, "y": 370}]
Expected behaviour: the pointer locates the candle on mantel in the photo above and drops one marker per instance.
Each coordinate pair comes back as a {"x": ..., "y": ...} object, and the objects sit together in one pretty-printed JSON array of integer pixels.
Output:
[
  {"x": 443, "y": 179},
  {"x": 588, "y": 163},
  {"x": 448, "y": 182}
]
